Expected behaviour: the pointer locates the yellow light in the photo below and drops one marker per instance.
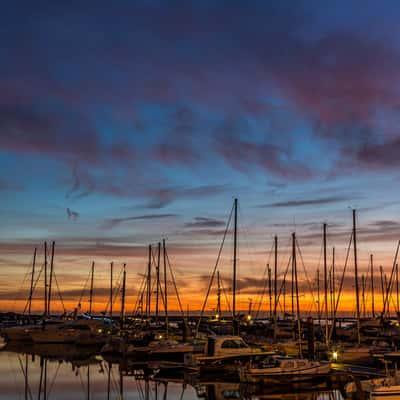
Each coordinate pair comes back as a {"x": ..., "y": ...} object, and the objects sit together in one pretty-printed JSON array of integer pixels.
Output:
[
  {"x": 249, "y": 317},
  {"x": 335, "y": 355},
  {"x": 216, "y": 316}
]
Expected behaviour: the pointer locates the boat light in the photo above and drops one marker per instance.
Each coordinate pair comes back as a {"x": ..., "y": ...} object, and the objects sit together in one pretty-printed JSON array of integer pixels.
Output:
[
  {"x": 335, "y": 355},
  {"x": 249, "y": 317}
]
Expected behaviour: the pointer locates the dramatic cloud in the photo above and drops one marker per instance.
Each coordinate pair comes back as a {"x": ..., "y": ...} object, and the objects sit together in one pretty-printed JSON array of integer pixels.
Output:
[
  {"x": 178, "y": 107},
  {"x": 27, "y": 130},
  {"x": 161, "y": 197},
  {"x": 113, "y": 222},
  {"x": 204, "y": 222},
  {"x": 308, "y": 202},
  {"x": 233, "y": 143}
]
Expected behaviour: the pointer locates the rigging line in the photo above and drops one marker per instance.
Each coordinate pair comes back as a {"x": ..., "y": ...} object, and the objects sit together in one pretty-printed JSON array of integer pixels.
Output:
[
  {"x": 59, "y": 292},
  {"x": 225, "y": 294},
  {"x": 215, "y": 269},
  {"x": 115, "y": 290},
  {"x": 140, "y": 388},
  {"x": 81, "y": 380},
  {"x": 13, "y": 372},
  {"x": 305, "y": 271},
  {"x": 114, "y": 382},
  {"x": 183, "y": 391},
  {"x": 118, "y": 290},
  {"x": 367, "y": 286},
  {"x": 389, "y": 288},
  {"x": 34, "y": 287},
  {"x": 174, "y": 282},
  {"x": 265, "y": 281},
  {"x": 154, "y": 251},
  {"x": 245, "y": 235},
  {"x": 118, "y": 282},
  {"x": 19, "y": 291},
  {"x": 284, "y": 280},
  {"x": 135, "y": 307},
  {"x": 24, "y": 374},
  {"x": 339, "y": 293},
  {"x": 285, "y": 253},
  {"x": 53, "y": 381},
  {"x": 83, "y": 289}
]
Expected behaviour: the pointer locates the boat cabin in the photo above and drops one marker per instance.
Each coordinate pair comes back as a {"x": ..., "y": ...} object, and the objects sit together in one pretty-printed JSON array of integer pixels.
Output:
[{"x": 225, "y": 345}]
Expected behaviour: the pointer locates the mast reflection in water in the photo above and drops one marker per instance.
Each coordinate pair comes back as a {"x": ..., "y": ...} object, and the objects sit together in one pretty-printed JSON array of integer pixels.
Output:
[{"x": 57, "y": 372}]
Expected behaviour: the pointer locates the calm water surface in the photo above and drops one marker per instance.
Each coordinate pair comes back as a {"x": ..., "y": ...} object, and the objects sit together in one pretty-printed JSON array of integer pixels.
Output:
[{"x": 31, "y": 377}]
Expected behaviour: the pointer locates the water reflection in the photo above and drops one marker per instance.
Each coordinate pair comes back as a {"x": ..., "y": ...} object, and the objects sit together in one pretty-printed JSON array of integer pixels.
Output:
[{"x": 60, "y": 372}]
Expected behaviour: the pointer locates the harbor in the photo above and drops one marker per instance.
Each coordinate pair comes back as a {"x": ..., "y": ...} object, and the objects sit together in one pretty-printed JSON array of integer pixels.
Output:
[
  {"x": 199, "y": 199},
  {"x": 293, "y": 353}
]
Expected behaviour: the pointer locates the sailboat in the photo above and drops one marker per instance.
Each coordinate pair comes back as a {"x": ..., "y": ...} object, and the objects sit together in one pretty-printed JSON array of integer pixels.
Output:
[
  {"x": 279, "y": 368},
  {"x": 81, "y": 331}
]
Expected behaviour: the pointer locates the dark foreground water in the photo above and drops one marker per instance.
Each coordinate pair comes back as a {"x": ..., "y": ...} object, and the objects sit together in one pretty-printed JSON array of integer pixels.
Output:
[{"x": 56, "y": 375}]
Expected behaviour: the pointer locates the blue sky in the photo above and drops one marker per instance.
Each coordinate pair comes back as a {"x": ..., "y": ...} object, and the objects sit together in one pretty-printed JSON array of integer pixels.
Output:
[{"x": 145, "y": 119}]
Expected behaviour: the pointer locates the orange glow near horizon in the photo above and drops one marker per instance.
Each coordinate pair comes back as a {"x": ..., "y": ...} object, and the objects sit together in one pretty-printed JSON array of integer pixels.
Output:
[{"x": 307, "y": 305}]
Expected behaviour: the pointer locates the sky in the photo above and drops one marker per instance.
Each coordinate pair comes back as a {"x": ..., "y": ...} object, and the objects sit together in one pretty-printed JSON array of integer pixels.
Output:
[{"x": 122, "y": 124}]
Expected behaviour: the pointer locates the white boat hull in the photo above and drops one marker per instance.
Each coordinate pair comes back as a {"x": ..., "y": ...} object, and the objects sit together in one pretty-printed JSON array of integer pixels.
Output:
[
  {"x": 309, "y": 371},
  {"x": 386, "y": 393}
]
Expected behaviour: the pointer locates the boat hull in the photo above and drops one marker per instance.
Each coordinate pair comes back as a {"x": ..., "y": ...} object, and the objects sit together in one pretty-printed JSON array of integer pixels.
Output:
[
  {"x": 259, "y": 375},
  {"x": 386, "y": 393}
]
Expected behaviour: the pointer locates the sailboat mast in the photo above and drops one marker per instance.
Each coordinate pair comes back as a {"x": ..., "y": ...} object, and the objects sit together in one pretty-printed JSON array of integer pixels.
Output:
[
  {"x": 45, "y": 279},
  {"x": 109, "y": 381},
  {"x": 91, "y": 290},
  {"x": 165, "y": 288},
  {"x": 121, "y": 385},
  {"x": 26, "y": 377},
  {"x": 111, "y": 288},
  {"x": 122, "y": 316},
  {"x": 50, "y": 278},
  {"x": 318, "y": 298},
  {"x": 325, "y": 288},
  {"x": 356, "y": 276},
  {"x": 88, "y": 383},
  {"x": 372, "y": 285},
  {"x": 270, "y": 291},
  {"x": 284, "y": 296},
  {"x": 158, "y": 278},
  {"x": 383, "y": 290},
  {"x": 32, "y": 283},
  {"x": 45, "y": 380},
  {"x": 387, "y": 289},
  {"x": 234, "y": 261},
  {"x": 397, "y": 288},
  {"x": 294, "y": 267},
  {"x": 333, "y": 286},
  {"x": 275, "y": 285},
  {"x": 218, "y": 296},
  {"x": 363, "y": 294},
  {"x": 148, "y": 297}
]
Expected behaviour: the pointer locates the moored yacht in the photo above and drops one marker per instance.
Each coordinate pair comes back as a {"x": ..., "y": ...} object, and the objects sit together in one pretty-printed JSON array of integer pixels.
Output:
[
  {"x": 280, "y": 368},
  {"x": 81, "y": 331},
  {"x": 223, "y": 354}
]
